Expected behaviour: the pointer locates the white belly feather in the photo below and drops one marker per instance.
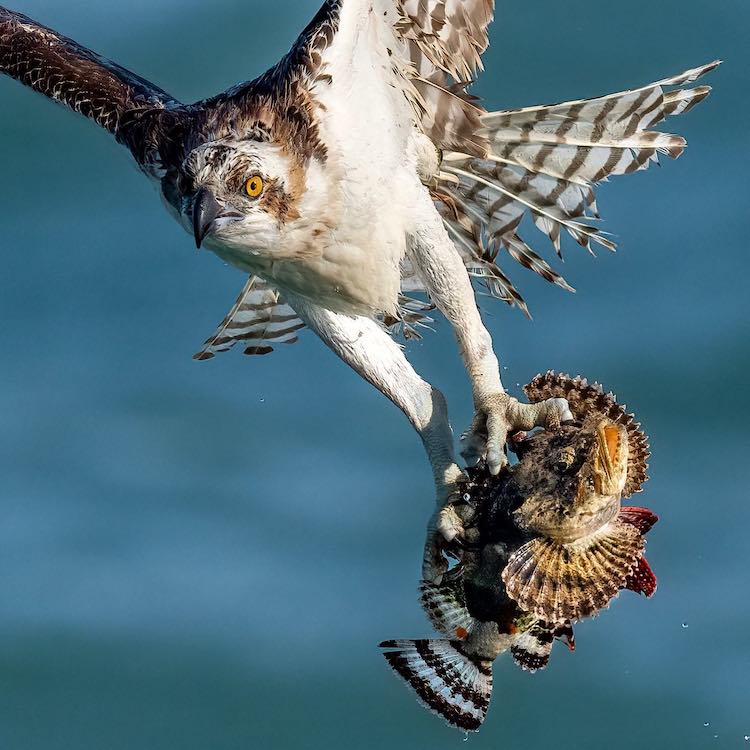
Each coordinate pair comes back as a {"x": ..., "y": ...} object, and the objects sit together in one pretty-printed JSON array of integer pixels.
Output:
[{"x": 367, "y": 185}]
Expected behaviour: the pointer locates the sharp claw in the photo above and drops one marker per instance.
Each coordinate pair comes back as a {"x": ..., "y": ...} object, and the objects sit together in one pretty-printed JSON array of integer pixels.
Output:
[
  {"x": 567, "y": 415},
  {"x": 495, "y": 461},
  {"x": 449, "y": 524},
  {"x": 471, "y": 457}
]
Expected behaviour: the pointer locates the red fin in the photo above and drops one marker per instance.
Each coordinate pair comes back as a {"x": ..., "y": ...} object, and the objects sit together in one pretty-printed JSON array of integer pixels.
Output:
[
  {"x": 642, "y": 580},
  {"x": 564, "y": 632},
  {"x": 642, "y": 518}
]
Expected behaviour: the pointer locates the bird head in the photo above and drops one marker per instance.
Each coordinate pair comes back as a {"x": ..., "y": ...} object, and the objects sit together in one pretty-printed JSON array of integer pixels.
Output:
[{"x": 238, "y": 195}]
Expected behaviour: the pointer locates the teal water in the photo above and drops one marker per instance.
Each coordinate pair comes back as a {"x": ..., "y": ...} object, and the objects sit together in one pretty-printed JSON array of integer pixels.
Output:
[{"x": 205, "y": 555}]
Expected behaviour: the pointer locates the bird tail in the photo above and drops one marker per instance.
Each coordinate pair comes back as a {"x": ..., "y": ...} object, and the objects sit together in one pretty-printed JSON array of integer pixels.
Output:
[
  {"x": 543, "y": 161},
  {"x": 446, "y": 680}
]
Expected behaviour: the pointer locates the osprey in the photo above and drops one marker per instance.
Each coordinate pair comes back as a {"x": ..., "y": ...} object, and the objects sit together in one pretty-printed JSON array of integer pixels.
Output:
[{"x": 357, "y": 172}]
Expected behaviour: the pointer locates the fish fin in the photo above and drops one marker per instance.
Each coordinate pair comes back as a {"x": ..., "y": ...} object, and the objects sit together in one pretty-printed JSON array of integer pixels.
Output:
[
  {"x": 642, "y": 518},
  {"x": 642, "y": 580},
  {"x": 531, "y": 650},
  {"x": 445, "y": 679},
  {"x": 445, "y": 605},
  {"x": 556, "y": 581},
  {"x": 586, "y": 398}
]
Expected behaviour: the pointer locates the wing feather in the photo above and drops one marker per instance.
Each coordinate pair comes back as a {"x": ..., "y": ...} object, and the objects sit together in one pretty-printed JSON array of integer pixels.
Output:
[
  {"x": 452, "y": 34},
  {"x": 68, "y": 73},
  {"x": 140, "y": 115},
  {"x": 543, "y": 162},
  {"x": 259, "y": 318}
]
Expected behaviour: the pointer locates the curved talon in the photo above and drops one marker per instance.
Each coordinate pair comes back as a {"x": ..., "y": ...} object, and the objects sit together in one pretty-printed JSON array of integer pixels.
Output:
[
  {"x": 500, "y": 415},
  {"x": 450, "y": 524}
]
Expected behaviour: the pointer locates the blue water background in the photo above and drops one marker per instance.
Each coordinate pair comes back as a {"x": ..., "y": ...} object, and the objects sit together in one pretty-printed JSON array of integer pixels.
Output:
[{"x": 205, "y": 555}]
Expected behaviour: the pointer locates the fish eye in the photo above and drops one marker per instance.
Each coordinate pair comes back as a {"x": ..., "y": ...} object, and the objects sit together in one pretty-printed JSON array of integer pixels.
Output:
[
  {"x": 254, "y": 186},
  {"x": 564, "y": 460}
]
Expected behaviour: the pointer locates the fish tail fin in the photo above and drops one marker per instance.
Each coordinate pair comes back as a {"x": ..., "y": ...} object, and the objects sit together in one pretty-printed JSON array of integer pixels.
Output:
[{"x": 446, "y": 680}]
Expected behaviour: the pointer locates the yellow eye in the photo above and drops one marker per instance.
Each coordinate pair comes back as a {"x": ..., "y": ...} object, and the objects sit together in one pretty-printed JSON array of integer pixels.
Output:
[{"x": 254, "y": 186}]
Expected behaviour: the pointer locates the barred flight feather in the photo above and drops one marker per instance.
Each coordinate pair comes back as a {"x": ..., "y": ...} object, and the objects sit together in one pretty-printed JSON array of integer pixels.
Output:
[
  {"x": 411, "y": 315},
  {"x": 542, "y": 162},
  {"x": 452, "y": 34},
  {"x": 259, "y": 318}
]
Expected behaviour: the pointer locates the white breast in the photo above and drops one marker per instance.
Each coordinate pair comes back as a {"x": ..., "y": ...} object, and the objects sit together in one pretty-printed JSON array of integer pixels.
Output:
[{"x": 368, "y": 181}]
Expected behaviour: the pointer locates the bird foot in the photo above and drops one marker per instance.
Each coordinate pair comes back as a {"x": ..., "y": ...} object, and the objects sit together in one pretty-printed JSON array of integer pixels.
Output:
[{"x": 499, "y": 415}]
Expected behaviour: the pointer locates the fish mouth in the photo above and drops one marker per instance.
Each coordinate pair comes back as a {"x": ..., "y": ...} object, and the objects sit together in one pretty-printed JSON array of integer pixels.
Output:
[{"x": 611, "y": 458}]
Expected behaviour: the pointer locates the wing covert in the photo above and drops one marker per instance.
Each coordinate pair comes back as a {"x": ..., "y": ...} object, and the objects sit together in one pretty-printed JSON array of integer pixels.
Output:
[{"x": 140, "y": 115}]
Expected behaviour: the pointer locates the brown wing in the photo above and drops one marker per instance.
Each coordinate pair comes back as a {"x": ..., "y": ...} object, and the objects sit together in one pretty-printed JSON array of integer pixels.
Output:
[{"x": 132, "y": 109}]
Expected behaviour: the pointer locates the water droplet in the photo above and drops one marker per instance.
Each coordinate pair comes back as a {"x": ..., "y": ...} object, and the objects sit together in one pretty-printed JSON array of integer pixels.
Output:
[
  {"x": 685, "y": 626},
  {"x": 262, "y": 401},
  {"x": 467, "y": 497},
  {"x": 466, "y": 736},
  {"x": 706, "y": 723},
  {"x": 716, "y": 736},
  {"x": 747, "y": 738}
]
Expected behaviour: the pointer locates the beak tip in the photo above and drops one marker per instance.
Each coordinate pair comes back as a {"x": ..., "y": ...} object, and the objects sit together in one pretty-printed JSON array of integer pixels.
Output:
[{"x": 205, "y": 210}]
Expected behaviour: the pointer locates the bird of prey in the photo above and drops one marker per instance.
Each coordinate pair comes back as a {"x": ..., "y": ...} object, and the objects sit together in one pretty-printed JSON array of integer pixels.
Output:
[{"x": 357, "y": 184}]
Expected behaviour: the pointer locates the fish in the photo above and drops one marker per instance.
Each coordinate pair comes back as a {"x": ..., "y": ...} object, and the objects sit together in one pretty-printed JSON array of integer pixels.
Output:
[{"x": 537, "y": 548}]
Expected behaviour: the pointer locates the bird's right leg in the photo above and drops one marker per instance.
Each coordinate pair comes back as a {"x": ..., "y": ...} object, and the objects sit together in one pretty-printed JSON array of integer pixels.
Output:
[{"x": 369, "y": 350}]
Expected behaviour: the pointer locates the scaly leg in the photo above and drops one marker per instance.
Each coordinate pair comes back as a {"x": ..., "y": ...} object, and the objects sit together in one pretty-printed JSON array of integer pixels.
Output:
[
  {"x": 443, "y": 271},
  {"x": 368, "y": 349}
]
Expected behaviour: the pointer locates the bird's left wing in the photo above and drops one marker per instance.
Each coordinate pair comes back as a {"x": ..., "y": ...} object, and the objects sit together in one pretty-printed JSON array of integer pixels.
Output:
[{"x": 258, "y": 319}]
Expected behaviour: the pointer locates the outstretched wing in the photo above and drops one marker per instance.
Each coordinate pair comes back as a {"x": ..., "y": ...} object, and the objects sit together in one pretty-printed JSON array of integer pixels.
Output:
[
  {"x": 442, "y": 43},
  {"x": 543, "y": 162},
  {"x": 451, "y": 34},
  {"x": 258, "y": 319},
  {"x": 113, "y": 97}
]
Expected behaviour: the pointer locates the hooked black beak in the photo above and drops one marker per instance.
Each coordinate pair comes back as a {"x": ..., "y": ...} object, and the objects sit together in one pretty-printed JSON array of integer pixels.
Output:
[{"x": 205, "y": 210}]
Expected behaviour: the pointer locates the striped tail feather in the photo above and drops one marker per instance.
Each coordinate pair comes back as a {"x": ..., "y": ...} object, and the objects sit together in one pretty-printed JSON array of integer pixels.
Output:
[
  {"x": 446, "y": 681},
  {"x": 259, "y": 318},
  {"x": 542, "y": 162}
]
